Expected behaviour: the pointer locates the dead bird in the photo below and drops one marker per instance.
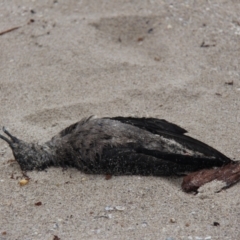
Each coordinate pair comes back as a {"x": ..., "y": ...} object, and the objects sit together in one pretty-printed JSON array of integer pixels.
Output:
[{"x": 124, "y": 145}]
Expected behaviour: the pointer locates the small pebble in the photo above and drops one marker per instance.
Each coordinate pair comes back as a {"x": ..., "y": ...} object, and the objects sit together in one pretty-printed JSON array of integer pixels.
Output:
[
  {"x": 120, "y": 208},
  {"x": 144, "y": 224},
  {"x": 23, "y": 182},
  {"x": 109, "y": 208},
  {"x": 55, "y": 226},
  {"x": 98, "y": 231},
  {"x": 172, "y": 220}
]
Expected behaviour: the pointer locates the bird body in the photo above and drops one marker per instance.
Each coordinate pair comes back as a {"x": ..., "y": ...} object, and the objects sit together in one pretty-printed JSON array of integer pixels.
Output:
[{"x": 117, "y": 146}]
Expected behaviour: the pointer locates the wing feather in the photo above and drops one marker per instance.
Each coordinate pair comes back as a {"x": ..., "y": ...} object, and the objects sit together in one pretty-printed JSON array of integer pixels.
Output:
[{"x": 152, "y": 125}]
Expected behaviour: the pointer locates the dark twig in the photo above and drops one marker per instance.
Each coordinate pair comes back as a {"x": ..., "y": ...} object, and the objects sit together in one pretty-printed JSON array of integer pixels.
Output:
[{"x": 9, "y": 30}]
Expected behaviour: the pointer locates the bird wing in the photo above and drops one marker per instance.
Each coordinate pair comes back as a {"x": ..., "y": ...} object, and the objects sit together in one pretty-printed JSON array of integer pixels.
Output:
[
  {"x": 197, "y": 146},
  {"x": 173, "y": 132},
  {"x": 152, "y": 125}
]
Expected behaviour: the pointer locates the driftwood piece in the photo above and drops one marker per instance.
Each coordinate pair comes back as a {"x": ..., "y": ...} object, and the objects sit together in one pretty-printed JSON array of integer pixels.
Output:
[{"x": 229, "y": 174}]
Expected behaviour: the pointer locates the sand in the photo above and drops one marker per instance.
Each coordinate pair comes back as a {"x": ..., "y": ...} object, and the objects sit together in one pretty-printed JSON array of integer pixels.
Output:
[{"x": 71, "y": 59}]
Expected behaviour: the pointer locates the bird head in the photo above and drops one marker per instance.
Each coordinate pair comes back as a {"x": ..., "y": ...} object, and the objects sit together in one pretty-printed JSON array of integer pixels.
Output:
[{"x": 29, "y": 155}]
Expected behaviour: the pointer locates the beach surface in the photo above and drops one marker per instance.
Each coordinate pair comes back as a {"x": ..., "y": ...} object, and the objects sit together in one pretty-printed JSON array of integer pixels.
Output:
[{"x": 61, "y": 61}]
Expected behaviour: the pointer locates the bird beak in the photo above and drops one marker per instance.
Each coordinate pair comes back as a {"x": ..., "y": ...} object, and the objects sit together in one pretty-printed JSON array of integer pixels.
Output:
[{"x": 12, "y": 138}]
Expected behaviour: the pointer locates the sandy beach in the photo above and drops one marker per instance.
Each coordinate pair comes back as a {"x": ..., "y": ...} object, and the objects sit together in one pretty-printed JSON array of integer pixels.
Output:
[{"x": 61, "y": 61}]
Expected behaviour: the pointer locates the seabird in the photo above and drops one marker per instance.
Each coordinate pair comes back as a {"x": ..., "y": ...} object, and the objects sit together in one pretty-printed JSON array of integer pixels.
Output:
[{"x": 124, "y": 146}]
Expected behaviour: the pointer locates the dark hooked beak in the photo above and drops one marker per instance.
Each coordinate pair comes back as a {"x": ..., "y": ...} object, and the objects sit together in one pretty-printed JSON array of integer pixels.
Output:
[{"x": 12, "y": 138}]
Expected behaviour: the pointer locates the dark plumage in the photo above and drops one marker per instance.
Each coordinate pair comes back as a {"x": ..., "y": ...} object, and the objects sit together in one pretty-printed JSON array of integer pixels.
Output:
[{"x": 119, "y": 145}]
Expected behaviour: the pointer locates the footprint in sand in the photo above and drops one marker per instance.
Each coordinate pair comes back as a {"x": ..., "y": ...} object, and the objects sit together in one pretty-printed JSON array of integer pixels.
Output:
[{"x": 143, "y": 33}]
